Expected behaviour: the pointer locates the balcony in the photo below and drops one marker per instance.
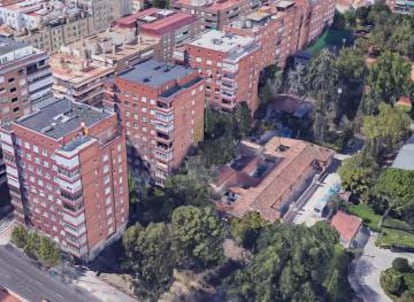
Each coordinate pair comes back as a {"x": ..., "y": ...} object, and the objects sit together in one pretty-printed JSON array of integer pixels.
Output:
[
  {"x": 231, "y": 78},
  {"x": 164, "y": 128},
  {"x": 74, "y": 187},
  {"x": 164, "y": 147},
  {"x": 69, "y": 175},
  {"x": 229, "y": 105},
  {"x": 164, "y": 117},
  {"x": 40, "y": 84},
  {"x": 38, "y": 74},
  {"x": 230, "y": 68},
  {"x": 163, "y": 138},
  {"x": 164, "y": 156},
  {"x": 164, "y": 108}
]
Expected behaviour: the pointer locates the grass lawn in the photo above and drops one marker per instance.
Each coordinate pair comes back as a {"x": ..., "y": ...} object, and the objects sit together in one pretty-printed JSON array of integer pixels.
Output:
[
  {"x": 367, "y": 214},
  {"x": 331, "y": 37},
  {"x": 392, "y": 237}
]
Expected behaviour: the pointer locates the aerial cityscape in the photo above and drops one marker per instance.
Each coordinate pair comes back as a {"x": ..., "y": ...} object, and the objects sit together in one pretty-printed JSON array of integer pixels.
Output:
[{"x": 207, "y": 150}]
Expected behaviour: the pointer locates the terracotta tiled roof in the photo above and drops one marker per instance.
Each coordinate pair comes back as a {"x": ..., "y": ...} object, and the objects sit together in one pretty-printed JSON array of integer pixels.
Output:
[
  {"x": 6, "y": 297},
  {"x": 293, "y": 166},
  {"x": 346, "y": 225}
]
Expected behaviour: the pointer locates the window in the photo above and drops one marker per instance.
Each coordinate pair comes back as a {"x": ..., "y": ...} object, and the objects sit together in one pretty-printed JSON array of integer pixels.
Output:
[
  {"x": 35, "y": 149},
  {"x": 107, "y": 190},
  {"x": 12, "y": 89},
  {"x": 106, "y": 168},
  {"x": 11, "y": 80}
]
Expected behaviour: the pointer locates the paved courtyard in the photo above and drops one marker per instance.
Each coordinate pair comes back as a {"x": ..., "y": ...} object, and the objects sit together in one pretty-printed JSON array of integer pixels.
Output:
[
  {"x": 307, "y": 214},
  {"x": 365, "y": 272}
]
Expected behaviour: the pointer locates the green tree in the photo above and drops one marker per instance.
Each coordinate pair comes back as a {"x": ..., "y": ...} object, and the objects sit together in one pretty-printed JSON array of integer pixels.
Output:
[
  {"x": 198, "y": 236},
  {"x": 48, "y": 252},
  {"x": 161, "y": 3},
  {"x": 361, "y": 14},
  {"x": 148, "y": 256},
  {"x": 396, "y": 187},
  {"x": 19, "y": 236},
  {"x": 247, "y": 229},
  {"x": 389, "y": 78},
  {"x": 407, "y": 296},
  {"x": 351, "y": 65},
  {"x": 392, "y": 282},
  {"x": 243, "y": 119},
  {"x": 322, "y": 79},
  {"x": 401, "y": 265},
  {"x": 358, "y": 173},
  {"x": 388, "y": 128},
  {"x": 32, "y": 245},
  {"x": 290, "y": 264},
  {"x": 296, "y": 80}
]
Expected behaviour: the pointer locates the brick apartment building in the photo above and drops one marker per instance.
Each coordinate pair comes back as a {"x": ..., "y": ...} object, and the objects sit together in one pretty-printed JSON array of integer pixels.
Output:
[
  {"x": 78, "y": 78},
  {"x": 67, "y": 174},
  {"x": 231, "y": 65},
  {"x": 161, "y": 108},
  {"x": 275, "y": 28},
  {"x": 215, "y": 14},
  {"x": 25, "y": 78},
  {"x": 316, "y": 16},
  {"x": 170, "y": 28}
]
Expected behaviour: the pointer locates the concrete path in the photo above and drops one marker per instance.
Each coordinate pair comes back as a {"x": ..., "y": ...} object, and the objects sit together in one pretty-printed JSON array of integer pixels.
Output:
[{"x": 365, "y": 272}]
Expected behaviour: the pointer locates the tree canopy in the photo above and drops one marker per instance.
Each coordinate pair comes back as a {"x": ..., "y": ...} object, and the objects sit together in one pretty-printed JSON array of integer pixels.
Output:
[
  {"x": 358, "y": 173},
  {"x": 389, "y": 78},
  {"x": 388, "y": 128},
  {"x": 148, "y": 256},
  {"x": 291, "y": 264},
  {"x": 198, "y": 237}
]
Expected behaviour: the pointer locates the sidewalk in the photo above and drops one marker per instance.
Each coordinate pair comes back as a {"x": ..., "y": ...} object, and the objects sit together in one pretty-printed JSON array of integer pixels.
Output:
[{"x": 100, "y": 289}]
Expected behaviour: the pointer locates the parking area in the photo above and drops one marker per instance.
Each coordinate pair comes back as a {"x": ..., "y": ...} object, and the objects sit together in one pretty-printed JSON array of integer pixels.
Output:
[{"x": 308, "y": 215}]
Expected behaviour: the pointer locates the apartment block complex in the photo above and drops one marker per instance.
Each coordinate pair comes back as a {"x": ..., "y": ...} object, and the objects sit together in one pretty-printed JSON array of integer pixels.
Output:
[
  {"x": 231, "y": 65},
  {"x": 25, "y": 78},
  {"x": 215, "y": 14},
  {"x": 77, "y": 77},
  {"x": 45, "y": 25},
  {"x": 67, "y": 174},
  {"x": 275, "y": 28},
  {"x": 161, "y": 108},
  {"x": 170, "y": 28},
  {"x": 405, "y": 7}
]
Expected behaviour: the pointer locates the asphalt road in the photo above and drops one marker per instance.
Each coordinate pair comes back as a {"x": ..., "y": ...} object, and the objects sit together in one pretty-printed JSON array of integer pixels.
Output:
[{"x": 21, "y": 276}]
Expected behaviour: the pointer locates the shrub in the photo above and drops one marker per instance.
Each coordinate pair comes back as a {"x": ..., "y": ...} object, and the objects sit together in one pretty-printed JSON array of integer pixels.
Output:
[
  {"x": 392, "y": 282},
  {"x": 401, "y": 265},
  {"x": 19, "y": 236}
]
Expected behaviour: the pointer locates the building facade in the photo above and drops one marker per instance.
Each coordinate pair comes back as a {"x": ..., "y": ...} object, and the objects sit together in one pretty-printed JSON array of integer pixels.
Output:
[
  {"x": 171, "y": 29},
  {"x": 25, "y": 79},
  {"x": 215, "y": 14},
  {"x": 78, "y": 78},
  {"x": 67, "y": 174},
  {"x": 275, "y": 29},
  {"x": 161, "y": 108},
  {"x": 231, "y": 65}
]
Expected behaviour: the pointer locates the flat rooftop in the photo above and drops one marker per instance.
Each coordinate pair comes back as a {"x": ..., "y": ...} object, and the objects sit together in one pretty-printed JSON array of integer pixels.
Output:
[
  {"x": 61, "y": 118},
  {"x": 72, "y": 68},
  {"x": 7, "y": 45},
  {"x": 155, "y": 73},
  {"x": 221, "y": 41},
  {"x": 168, "y": 23}
]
